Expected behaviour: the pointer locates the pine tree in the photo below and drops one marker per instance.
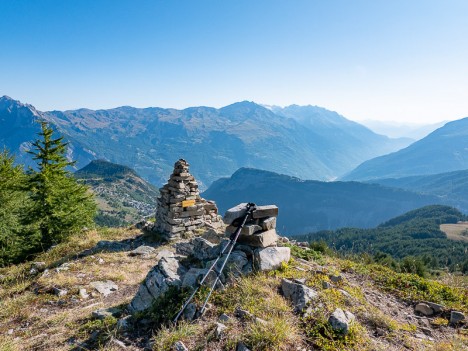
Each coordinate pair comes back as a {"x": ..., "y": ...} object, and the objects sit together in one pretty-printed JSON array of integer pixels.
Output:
[
  {"x": 16, "y": 239},
  {"x": 61, "y": 205}
]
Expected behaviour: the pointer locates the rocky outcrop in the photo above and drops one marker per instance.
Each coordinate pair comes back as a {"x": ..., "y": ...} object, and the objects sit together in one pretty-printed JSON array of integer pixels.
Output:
[
  {"x": 181, "y": 211},
  {"x": 202, "y": 251}
]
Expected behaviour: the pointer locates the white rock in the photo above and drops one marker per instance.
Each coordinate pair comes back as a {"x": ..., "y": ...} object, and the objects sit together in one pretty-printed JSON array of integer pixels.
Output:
[
  {"x": 299, "y": 294},
  {"x": 340, "y": 320},
  {"x": 424, "y": 309},
  {"x": 271, "y": 257}
]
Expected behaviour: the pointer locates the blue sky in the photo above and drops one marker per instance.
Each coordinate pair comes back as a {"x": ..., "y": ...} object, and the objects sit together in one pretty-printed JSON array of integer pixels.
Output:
[{"x": 387, "y": 60}]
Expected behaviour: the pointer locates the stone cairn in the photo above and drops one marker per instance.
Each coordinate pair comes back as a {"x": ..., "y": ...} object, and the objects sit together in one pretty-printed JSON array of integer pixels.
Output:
[
  {"x": 256, "y": 250},
  {"x": 180, "y": 209},
  {"x": 258, "y": 231}
]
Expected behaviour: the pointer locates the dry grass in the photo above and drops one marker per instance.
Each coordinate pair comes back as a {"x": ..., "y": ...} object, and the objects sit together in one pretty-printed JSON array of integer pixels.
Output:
[
  {"x": 458, "y": 231},
  {"x": 44, "y": 321}
]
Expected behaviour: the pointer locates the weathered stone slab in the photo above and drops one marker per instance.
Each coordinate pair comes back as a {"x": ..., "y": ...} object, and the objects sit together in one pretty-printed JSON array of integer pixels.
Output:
[
  {"x": 264, "y": 239},
  {"x": 248, "y": 229},
  {"x": 271, "y": 257},
  {"x": 104, "y": 288},
  {"x": 235, "y": 212},
  {"x": 265, "y": 211}
]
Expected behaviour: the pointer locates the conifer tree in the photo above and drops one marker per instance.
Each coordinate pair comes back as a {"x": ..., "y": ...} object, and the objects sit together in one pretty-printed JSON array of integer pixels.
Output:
[
  {"x": 61, "y": 205},
  {"x": 16, "y": 239}
]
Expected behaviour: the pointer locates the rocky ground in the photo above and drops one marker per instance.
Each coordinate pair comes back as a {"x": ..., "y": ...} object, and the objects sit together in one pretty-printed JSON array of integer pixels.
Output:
[{"x": 77, "y": 300}]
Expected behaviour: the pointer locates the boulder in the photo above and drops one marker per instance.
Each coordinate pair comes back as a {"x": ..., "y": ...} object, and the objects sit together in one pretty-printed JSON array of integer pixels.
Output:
[
  {"x": 340, "y": 320},
  {"x": 424, "y": 309},
  {"x": 456, "y": 317},
  {"x": 271, "y": 257},
  {"x": 299, "y": 294}
]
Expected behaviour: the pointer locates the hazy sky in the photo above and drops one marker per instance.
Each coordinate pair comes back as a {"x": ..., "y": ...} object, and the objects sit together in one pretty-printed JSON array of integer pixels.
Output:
[{"x": 389, "y": 60}]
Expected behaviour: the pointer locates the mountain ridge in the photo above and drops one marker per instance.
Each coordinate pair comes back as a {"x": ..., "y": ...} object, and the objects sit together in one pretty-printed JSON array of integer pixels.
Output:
[{"x": 234, "y": 136}]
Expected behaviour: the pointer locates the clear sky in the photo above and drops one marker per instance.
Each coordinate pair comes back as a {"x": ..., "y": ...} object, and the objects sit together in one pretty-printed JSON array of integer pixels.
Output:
[{"x": 404, "y": 60}]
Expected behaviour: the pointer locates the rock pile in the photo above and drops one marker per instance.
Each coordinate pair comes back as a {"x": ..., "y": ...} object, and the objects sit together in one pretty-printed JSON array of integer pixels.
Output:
[
  {"x": 260, "y": 230},
  {"x": 180, "y": 209},
  {"x": 254, "y": 252}
]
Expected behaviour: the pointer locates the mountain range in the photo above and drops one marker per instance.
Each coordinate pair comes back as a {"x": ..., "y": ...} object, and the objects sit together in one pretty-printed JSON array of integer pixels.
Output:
[
  {"x": 309, "y": 206},
  {"x": 444, "y": 150},
  {"x": 305, "y": 141}
]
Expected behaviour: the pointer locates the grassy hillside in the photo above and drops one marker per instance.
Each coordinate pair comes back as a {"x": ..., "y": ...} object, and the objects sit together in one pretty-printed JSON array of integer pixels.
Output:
[
  {"x": 34, "y": 316},
  {"x": 416, "y": 233},
  {"x": 122, "y": 196}
]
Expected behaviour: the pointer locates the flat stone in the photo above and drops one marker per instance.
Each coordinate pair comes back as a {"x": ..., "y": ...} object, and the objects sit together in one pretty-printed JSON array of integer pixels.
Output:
[
  {"x": 326, "y": 285},
  {"x": 299, "y": 294},
  {"x": 340, "y": 320},
  {"x": 118, "y": 343},
  {"x": 104, "y": 288},
  {"x": 190, "y": 312},
  {"x": 456, "y": 317},
  {"x": 268, "y": 223},
  {"x": 263, "y": 239},
  {"x": 271, "y": 257},
  {"x": 248, "y": 229},
  {"x": 234, "y": 213},
  {"x": 265, "y": 211},
  {"x": 142, "y": 251},
  {"x": 424, "y": 309}
]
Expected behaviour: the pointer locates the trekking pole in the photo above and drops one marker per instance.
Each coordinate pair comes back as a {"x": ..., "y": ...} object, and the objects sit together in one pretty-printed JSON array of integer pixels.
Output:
[
  {"x": 233, "y": 239},
  {"x": 250, "y": 208}
]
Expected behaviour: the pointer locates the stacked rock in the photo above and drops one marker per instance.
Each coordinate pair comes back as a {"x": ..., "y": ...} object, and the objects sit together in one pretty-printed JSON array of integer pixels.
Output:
[
  {"x": 258, "y": 231},
  {"x": 180, "y": 209}
]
